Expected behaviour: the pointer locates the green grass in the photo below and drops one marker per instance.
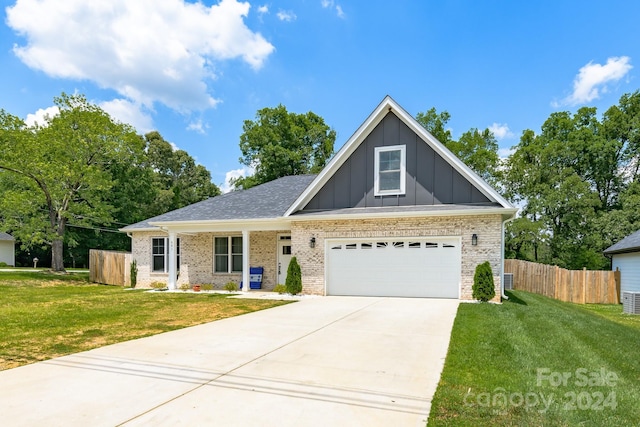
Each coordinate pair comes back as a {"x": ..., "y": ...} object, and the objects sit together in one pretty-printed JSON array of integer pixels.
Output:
[
  {"x": 502, "y": 360},
  {"x": 44, "y": 315}
]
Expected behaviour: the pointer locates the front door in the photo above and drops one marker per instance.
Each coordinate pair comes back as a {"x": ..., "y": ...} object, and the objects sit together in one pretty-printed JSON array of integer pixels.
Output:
[{"x": 284, "y": 256}]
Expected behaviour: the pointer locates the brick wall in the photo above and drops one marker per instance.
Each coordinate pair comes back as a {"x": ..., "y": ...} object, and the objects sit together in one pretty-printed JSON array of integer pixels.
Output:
[{"x": 487, "y": 227}]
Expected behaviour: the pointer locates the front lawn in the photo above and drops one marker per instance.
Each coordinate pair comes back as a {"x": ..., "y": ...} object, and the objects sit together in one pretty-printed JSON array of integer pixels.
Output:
[
  {"x": 534, "y": 361},
  {"x": 45, "y": 315}
]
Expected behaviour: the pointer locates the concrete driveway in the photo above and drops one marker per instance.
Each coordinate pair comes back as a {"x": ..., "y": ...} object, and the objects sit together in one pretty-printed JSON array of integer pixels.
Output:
[{"x": 339, "y": 361}]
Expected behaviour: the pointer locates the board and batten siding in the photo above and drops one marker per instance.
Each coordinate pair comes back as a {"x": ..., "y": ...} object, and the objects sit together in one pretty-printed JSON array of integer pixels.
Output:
[
  {"x": 430, "y": 179},
  {"x": 629, "y": 265}
]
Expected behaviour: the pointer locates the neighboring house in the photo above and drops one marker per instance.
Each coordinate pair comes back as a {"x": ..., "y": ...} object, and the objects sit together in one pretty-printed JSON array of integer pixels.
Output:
[
  {"x": 394, "y": 213},
  {"x": 7, "y": 249},
  {"x": 625, "y": 256}
]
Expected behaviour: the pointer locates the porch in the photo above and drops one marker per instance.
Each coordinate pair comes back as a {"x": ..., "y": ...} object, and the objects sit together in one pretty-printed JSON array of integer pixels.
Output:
[{"x": 184, "y": 257}]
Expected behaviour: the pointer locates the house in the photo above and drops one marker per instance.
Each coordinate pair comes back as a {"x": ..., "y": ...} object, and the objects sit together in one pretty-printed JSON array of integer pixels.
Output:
[
  {"x": 625, "y": 256},
  {"x": 7, "y": 249},
  {"x": 394, "y": 213}
]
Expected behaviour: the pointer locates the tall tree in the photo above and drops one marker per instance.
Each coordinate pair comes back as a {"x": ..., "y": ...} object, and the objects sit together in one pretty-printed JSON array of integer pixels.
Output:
[
  {"x": 64, "y": 167},
  {"x": 578, "y": 178},
  {"x": 178, "y": 180},
  {"x": 279, "y": 143}
]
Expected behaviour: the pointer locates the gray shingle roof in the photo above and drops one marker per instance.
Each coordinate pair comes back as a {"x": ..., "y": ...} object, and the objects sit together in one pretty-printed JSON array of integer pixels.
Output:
[
  {"x": 6, "y": 236},
  {"x": 269, "y": 200},
  {"x": 631, "y": 243}
]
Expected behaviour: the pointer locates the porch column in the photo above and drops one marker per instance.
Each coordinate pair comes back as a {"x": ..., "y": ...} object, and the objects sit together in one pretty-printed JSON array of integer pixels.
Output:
[
  {"x": 245, "y": 260},
  {"x": 173, "y": 268}
]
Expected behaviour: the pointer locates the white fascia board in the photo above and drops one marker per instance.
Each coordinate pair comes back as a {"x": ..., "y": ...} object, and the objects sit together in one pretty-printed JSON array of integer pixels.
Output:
[
  {"x": 505, "y": 212},
  {"x": 137, "y": 230},
  {"x": 225, "y": 225}
]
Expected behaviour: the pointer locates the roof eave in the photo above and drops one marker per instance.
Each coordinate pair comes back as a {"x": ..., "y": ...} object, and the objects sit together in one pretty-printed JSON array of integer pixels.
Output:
[{"x": 505, "y": 212}]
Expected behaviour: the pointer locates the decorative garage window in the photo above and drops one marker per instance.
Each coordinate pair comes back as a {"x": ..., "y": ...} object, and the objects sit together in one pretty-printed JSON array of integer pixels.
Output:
[
  {"x": 160, "y": 254},
  {"x": 228, "y": 254},
  {"x": 389, "y": 170},
  {"x": 445, "y": 245},
  {"x": 336, "y": 247},
  {"x": 366, "y": 246},
  {"x": 414, "y": 244},
  {"x": 398, "y": 244},
  {"x": 430, "y": 245},
  {"x": 381, "y": 245},
  {"x": 351, "y": 246}
]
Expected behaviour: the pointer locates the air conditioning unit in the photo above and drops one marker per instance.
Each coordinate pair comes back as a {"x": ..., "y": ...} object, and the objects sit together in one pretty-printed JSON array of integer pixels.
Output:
[
  {"x": 631, "y": 302},
  {"x": 508, "y": 281}
]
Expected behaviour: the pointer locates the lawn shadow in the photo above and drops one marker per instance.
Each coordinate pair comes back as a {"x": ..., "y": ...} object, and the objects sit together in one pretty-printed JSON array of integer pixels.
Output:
[{"x": 514, "y": 299}]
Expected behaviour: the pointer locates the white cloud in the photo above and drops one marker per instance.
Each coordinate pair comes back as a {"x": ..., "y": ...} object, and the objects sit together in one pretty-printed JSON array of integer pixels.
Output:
[
  {"x": 146, "y": 50},
  {"x": 592, "y": 80},
  {"x": 42, "y": 116},
  {"x": 286, "y": 15},
  {"x": 263, "y": 9},
  {"x": 235, "y": 173},
  {"x": 329, "y": 4},
  {"x": 129, "y": 112},
  {"x": 501, "y": 131},
  {"x": 197, "y": 126}
]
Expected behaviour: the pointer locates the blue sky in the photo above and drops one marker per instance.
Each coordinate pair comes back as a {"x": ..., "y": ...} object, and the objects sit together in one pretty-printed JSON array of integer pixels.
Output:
[{"x": 195, "y": 71}]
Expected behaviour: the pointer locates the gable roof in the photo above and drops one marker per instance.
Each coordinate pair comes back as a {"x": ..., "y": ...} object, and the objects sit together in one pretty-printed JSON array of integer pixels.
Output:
[
  {"x": 6, "y": 237},
  {"x": 388, "y": 104},
  {"x": 631, "y": 243},
  {"x": 265, "y": 201}
]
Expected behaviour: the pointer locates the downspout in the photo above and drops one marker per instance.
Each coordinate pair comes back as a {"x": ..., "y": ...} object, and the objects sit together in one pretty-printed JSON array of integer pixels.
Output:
[{"x": 502, "y": 294}]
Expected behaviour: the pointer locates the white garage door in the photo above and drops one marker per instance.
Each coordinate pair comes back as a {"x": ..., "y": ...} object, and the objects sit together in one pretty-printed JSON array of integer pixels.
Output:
[{"x": 404, "y": 267}]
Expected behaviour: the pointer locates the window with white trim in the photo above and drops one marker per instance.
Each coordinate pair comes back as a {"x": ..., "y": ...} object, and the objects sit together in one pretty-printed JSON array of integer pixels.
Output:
[
  {"x": 160, "y": 254},
  {"x": 227, "y": 254},
  {"x": 390, "y": 170}
]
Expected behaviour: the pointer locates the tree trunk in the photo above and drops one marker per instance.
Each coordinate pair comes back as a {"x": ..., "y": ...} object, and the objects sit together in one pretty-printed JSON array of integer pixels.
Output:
[
  {"x": 57, "y": 263},
  {"x": 57, "y": 246}
]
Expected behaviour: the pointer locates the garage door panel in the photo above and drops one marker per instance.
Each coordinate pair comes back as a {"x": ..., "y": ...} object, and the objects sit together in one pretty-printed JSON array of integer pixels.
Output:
[{"x": 400, "y": 267}]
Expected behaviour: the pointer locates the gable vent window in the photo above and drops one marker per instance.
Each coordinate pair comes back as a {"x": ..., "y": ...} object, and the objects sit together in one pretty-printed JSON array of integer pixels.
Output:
[{"x": 390, "y": 170}]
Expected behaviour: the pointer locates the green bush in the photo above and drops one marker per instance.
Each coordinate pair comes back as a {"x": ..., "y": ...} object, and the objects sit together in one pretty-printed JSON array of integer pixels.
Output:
[
  {"x": 231, "y": 287},
  {"x": 133, "y": 270},
  {"x": 294, "y": 277},
  {"x": 483, "y": 286},
  {"x": 207, "y": 287},
  {"x": 158, "y": 285},
  {"x": 184, "y": 287},
  {"x": 280, "y": 288},
  {"x": 4, "y": 264}
]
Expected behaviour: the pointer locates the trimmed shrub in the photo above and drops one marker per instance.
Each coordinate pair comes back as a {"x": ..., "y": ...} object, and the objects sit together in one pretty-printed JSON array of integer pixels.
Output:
[
  {"x": 231, "y": 287},
  {"x": 207, "y": 286},
  {"x": 293, "y": 283},
  {"x": 133, "y": 270},
  {"x": 280, "y": 288},
  {"x": 483, "y": 286},
  {"x": 158, "y": 285}
]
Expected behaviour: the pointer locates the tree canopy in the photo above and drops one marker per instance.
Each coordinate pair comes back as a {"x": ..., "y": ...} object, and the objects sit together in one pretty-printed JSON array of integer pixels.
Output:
[
  {"x": 71, "y": 181},
  {"x": 279, "y": 143},
  {"x": 577, "y": 183}
]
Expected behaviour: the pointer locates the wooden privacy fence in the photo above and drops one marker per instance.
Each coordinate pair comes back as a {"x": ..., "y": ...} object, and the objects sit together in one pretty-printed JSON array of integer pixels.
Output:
[
  {"x": 109, "y": 267},
  {"x": 577, "y": 286}
]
